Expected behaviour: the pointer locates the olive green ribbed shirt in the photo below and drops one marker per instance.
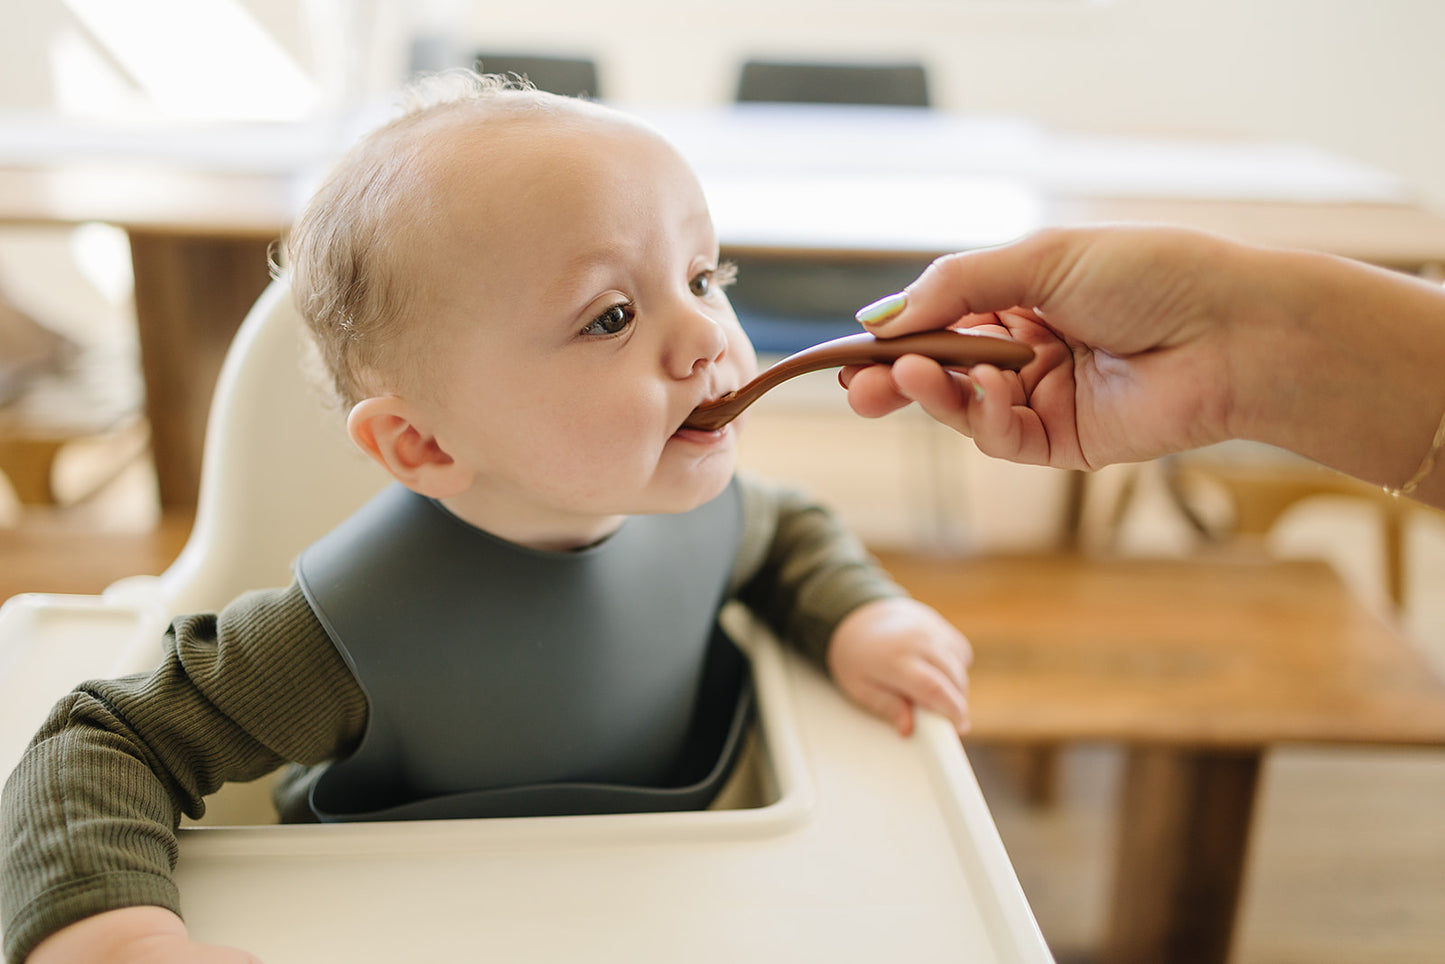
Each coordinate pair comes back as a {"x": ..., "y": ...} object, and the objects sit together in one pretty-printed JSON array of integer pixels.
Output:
[{"x": 89, "y": 815}]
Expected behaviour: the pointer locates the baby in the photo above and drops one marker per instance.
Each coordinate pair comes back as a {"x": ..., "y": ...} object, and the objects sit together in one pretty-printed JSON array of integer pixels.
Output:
[{"x": 519, "y": 300}]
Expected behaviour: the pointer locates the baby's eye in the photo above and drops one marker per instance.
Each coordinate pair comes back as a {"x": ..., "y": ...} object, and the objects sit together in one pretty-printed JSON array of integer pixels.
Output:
[
  {"x": 706, "y": 282},
  {"x": 611, "y": 321}
]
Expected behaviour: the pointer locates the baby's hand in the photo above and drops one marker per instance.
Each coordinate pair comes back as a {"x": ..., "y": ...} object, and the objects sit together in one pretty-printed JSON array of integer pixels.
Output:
[
  {"x": 132, "y": 935},
  {"x": 890, "y": 654}
]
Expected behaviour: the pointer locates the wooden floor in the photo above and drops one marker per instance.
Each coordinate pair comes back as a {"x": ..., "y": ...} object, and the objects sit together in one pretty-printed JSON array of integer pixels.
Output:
[{"x": 1347, "y": 861}]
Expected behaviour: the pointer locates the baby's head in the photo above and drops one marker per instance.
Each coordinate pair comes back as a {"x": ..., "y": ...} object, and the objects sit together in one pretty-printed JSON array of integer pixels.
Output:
[
  {"x": 348, "y": 277},
  {"x": 518, "y": 296}
]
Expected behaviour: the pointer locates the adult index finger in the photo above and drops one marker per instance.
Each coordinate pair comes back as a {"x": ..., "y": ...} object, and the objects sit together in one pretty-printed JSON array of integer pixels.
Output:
[{"x": 973, "y": 284}]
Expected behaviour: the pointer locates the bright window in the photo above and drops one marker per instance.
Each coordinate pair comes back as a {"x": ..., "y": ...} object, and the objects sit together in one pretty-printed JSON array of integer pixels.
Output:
[{"x": 193, "y": 59}]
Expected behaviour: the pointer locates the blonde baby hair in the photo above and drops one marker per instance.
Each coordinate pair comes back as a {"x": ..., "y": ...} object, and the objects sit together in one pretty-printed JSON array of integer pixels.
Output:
[{"x": 341, "y": 255}]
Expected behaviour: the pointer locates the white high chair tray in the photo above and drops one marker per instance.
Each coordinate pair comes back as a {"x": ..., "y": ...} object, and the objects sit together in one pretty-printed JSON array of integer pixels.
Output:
[{"x": 872, "y": 848}]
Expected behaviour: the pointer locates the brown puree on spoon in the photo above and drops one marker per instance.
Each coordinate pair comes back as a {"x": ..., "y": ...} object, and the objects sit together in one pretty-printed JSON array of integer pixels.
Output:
[{"x": 952, "y": 349}]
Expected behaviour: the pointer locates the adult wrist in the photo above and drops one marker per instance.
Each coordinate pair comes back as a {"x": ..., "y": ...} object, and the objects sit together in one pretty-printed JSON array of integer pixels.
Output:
[
  {"x": 1267, "y": 308},
  {"x": 1341, "y": 366}
]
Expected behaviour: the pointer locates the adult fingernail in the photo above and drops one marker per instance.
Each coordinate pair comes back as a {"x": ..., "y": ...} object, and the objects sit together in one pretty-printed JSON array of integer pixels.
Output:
[{"x": 882, "y": 309}]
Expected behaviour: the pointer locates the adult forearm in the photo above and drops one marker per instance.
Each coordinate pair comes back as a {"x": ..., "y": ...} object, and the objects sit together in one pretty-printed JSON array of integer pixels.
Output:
[{"x": 1341, "y": 362}]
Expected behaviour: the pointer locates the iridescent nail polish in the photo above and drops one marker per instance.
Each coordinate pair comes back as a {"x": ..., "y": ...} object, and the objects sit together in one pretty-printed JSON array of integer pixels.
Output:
[{"x": 882, "y": 309}]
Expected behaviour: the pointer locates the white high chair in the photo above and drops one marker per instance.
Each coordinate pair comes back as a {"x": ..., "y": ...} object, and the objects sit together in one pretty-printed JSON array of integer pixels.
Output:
[
  {"x": 278, "y": 470},
  {"x": 844, "y": 843}
]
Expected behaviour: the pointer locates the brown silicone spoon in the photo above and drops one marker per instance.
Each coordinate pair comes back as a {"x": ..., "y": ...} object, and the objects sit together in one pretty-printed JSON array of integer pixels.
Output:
[{"x": 953, "y": 349}]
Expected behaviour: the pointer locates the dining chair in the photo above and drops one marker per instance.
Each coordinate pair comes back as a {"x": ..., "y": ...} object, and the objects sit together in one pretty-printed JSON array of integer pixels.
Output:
[
  {"x": 799, "y": 82},
  {"x": 568, "y": 76},
  {"x": 1257, "y": 494},
  {"x": 786, "y": 305},
  {"x": 58, "y": 396}
]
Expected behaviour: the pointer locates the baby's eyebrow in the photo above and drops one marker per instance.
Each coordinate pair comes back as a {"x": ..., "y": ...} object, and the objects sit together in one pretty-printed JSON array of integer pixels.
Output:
[
  {"x": 576, "y": 279},
  {"x": 592, "y": 261}
]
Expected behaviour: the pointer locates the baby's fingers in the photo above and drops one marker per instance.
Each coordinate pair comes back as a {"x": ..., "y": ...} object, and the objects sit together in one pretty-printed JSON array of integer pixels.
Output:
[
  {"x": 933, "y": 688},
  {"x": 885, "y": 704}
]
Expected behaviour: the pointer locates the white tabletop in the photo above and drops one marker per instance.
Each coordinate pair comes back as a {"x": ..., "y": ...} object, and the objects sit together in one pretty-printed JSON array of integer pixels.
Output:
[{"x": 779, "y": 176}]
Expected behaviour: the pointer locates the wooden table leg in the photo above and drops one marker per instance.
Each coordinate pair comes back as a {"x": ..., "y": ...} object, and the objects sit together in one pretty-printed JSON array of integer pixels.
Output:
[
  {"x": 1184, "y": 829},
  {"x": 191, "y": 294}
]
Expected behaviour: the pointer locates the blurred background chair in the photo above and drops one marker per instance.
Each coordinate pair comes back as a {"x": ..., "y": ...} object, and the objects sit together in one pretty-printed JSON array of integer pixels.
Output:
[
  {"x": 1235, "y": 503},
  {"x": 568, "y": 76},
  {"x": 787, "y": 304},
  {"x": 70, "y": 425},
  {"x": 27, "y": 349},
  {"x": 894, "y": 85},
  {"x": 55, "y": 394}
]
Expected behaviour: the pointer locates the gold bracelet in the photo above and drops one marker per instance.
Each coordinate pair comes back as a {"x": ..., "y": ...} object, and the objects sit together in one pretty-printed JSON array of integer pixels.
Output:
[{"x": 1427, "y": 464}]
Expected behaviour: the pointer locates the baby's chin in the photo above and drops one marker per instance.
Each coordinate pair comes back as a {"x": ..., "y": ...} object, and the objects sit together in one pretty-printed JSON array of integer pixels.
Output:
[{"x": 703, "y": 484}]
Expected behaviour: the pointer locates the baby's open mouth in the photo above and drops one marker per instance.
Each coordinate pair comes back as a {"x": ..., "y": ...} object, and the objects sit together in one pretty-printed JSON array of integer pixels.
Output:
[{"x": 686, "y": 430}]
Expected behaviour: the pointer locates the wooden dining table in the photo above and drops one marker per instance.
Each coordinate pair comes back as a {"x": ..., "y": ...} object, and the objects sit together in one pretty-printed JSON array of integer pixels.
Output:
[
  {"x": 1199, "y": 670},
  {"x": 203, "y": 206}
]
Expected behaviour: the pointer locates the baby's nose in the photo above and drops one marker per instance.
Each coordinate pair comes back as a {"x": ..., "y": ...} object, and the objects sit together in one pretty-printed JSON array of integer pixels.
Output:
[{"x": 700, "y": 342}]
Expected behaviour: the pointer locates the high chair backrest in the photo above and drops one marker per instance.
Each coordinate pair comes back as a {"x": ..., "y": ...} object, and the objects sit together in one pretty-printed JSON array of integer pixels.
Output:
[{"x": 278, "y": 470}]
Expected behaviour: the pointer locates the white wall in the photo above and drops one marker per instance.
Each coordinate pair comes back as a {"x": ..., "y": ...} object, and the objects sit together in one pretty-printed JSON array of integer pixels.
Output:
[
  {"x": 1365, "y": 78},
  {"x": 1362, "y": 77}
]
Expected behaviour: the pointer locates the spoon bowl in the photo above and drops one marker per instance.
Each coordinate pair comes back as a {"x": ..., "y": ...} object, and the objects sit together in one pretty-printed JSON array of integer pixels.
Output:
[{"x": 950, "y": 348}]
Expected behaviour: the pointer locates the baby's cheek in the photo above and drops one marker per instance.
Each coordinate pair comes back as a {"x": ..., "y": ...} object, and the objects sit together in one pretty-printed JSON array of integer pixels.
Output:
[{"x": 744, "y": 358}]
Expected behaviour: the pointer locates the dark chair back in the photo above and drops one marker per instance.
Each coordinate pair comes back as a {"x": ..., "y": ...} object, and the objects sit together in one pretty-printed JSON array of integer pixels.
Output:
[
  {"x": 785, "y": 305},
  {"x": 571, "y": 77},
  {"x": 899, "y": 85}
]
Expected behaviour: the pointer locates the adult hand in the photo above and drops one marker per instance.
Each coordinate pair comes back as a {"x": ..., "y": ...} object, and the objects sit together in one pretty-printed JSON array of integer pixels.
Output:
[{"x": 1131, "y": 329}]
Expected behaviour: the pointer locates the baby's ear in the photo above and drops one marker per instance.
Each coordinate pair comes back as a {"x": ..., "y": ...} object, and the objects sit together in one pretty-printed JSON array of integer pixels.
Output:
[{"x": 387, "y": 429}]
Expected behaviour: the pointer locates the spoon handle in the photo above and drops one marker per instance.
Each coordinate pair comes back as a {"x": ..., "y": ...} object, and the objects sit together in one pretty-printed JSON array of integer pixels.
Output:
[{"x": 953, "y": 349}]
